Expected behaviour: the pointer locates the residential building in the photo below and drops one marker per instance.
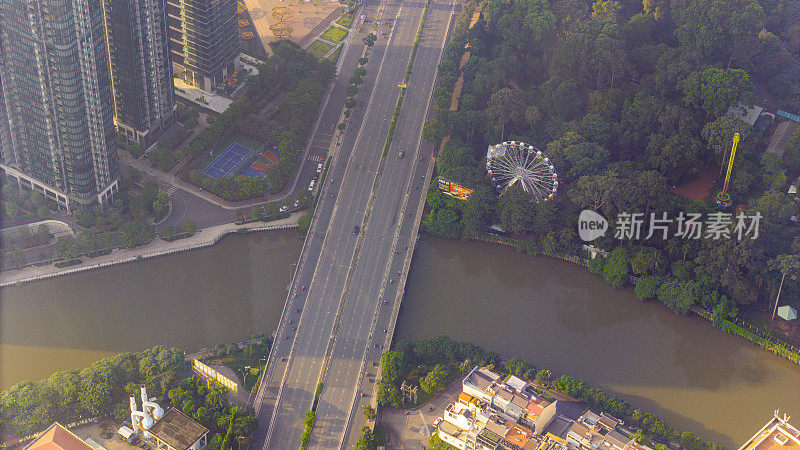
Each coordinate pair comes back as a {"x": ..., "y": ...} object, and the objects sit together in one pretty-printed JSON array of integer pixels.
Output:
[
  {"x": 491, "y": 413},
  {"x": 595, "y": 431},
  {"x": 5, "y": 133},
  {"x": 777, "y": 434},
  {"x": 203, "y": 40},
  {"x": 177, "y": 431},
  {"x": 58, "y": 101},
  {"x": 141, "y": 73},
  {"x": 58, "y": 438}
]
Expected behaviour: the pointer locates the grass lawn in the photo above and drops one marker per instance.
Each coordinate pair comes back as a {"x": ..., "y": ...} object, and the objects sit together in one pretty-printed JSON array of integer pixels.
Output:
[
  {"x": 334, "y": 34},
  {"x": 319, "y": 48},
  {"x": 335, "y": 55},
  {"x": 346, "y": 20}
]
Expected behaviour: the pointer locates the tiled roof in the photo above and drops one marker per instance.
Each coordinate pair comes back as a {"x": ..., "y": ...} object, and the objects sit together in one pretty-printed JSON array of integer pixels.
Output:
[{"x": 58, "y": 438}]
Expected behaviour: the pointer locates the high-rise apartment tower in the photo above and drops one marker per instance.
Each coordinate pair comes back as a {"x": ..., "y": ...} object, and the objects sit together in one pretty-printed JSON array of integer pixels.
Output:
[{"x": 58, "y": 99}]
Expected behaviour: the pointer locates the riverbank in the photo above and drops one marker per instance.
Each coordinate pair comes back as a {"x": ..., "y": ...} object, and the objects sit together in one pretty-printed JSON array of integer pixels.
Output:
[
  {"x": 202, "y": 238},
  {"x": 771, "y": 344}
]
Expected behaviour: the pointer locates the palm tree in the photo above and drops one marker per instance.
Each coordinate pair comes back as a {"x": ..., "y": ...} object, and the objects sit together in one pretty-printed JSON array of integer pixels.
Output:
[{"x": 788, "y": 265}]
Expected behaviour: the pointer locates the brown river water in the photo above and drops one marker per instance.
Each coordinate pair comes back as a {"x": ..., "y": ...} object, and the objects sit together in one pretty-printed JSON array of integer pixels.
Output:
[{"x": 552, "y": 313}]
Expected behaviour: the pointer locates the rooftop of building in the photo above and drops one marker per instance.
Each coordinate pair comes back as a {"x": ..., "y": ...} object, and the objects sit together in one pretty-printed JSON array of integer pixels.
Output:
[
  {"x": 777, "y": 434},
  {"x": 608, "y": 421},
  {"x": 448, "y": 428},
  {"x": 177, "y": 429},
  {"x": 481, "y": 378},
  {"x": 58, "y": 438},
  {"x": 518, "y": 435}
]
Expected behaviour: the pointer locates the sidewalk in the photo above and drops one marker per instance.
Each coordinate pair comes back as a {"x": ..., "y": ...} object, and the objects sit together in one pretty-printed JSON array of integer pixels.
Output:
[{"x": 158, "y": 247}]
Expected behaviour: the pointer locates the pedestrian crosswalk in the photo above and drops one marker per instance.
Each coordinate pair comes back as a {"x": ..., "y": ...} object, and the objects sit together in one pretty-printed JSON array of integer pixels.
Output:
[{"x": 315, "y": 158}]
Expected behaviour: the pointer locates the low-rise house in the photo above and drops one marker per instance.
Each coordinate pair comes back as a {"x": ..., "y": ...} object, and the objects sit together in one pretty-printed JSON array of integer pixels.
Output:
[
  {"x": 478, "y": 383},
  {"x": 57, "y": 437}
]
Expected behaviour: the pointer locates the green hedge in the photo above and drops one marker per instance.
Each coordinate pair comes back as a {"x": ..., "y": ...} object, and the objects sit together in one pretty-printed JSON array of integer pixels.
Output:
[{"x": 776, "y": 348}]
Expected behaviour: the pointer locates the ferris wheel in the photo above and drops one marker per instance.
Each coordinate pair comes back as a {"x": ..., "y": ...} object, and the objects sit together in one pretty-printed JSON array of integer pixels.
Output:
[{"x": 517, "y": 162}]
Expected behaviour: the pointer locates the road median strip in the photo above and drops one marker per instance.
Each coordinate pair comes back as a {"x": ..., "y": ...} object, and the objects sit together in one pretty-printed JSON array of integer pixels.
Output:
[{"x": 399, "y": 106}]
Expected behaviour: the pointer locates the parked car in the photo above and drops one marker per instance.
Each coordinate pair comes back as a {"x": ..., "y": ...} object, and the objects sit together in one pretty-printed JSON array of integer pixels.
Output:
[
  {"x": 283, "y": 208},
  {"x": 356, "y": 230},
  {"x": 437, "y": 421}
]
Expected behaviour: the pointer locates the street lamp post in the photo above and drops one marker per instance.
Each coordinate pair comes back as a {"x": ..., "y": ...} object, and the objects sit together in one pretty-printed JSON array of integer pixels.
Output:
[{"x": 244, "y": 374}]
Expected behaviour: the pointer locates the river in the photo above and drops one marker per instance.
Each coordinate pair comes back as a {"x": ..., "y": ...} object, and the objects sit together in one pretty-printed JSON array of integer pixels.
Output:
[
  {"x": 554, "y": 314},
  {"x": 190, "y": 300}
]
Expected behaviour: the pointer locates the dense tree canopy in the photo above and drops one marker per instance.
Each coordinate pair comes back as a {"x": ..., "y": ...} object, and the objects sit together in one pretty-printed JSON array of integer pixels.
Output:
[{"x": 628, "y": 99}]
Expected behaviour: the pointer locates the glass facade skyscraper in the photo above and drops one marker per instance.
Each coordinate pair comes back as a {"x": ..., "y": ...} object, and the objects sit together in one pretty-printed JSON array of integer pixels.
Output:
[
  {"x": 141, "y": 72},
  {"x": 203, "y": 39},
  {"x": 57, "y": 91}
]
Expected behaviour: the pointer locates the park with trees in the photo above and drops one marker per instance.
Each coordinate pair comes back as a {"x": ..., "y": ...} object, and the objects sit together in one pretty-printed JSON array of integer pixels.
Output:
[
  {"x": 628, "y": 99},
  {"x": 276, "y": 109}
]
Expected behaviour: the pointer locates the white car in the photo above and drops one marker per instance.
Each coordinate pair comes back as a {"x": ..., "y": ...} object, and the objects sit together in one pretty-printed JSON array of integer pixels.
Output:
[
  {"x": 319, "y": 168},
  {"x": 283, "y": 208},
  {"x": 437, "y": 421},
  {"x": 311, "y": 186},
  {"x": 296, "y": 202}
]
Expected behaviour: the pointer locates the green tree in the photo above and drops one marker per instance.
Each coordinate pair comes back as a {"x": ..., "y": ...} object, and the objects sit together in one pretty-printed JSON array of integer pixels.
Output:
[
  {"x": 647, "y": 287},
  {"x": 435, "y": 381},
  {"x": 17, "y": 258},
  {"x": 713, "y": 90},
  {"x": 434, "y": 131},
  {"x": 435, "y": 443},
  {"x": 616, "y": 267},
  {"x": 190, "y": 227},
  {"x": 366, "y": 440},
  {"x": 369, "y": 413},
  {"x": 105, "y": 240},
  {"x": 388, "y": 394},
  {"x": 161, "y": 203},
  {"x": 87, "y": 241},
  {"x": 504, "y": 106},
  {"x": 677, "y": 295},
  {"x": 787, "y": 265},
  {"x": 515, "y": 210},
  {"x": 256, "y": 213},
  {"x": 719, "y": 137},
  {"x": 304, "y": 223},
  {"x": 66, "y": 248}
]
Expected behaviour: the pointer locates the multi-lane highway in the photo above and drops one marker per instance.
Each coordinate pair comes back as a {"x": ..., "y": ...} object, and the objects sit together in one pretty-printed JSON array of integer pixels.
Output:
[{"x": 343, "y": 293}]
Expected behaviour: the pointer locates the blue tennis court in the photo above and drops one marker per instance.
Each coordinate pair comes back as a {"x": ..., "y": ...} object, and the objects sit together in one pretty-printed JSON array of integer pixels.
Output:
[{"x": 231, "y": 159}]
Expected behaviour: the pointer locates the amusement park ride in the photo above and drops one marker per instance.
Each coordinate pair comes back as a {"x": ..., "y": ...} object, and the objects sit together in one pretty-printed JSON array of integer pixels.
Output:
[
  {"x": 515, "y": 162},
  {"x": 723, "y": 198}
]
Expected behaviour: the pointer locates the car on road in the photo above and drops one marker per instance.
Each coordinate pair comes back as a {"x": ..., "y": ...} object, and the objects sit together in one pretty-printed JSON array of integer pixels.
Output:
[
  {"x": 311, "y": 185},
  {"x": 356, "y": 230},
  {"x": 283, "y": 208},
  {"x": 319, "y": 168},
  {"x": 323, "y": 156},
  {"x": 400, "y": 154}
]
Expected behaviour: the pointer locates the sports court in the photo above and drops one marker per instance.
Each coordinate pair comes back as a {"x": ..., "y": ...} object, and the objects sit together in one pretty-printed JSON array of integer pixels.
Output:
[
  {"x": 258, "y": 168},
  {"x": 231, "y": 159}
]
